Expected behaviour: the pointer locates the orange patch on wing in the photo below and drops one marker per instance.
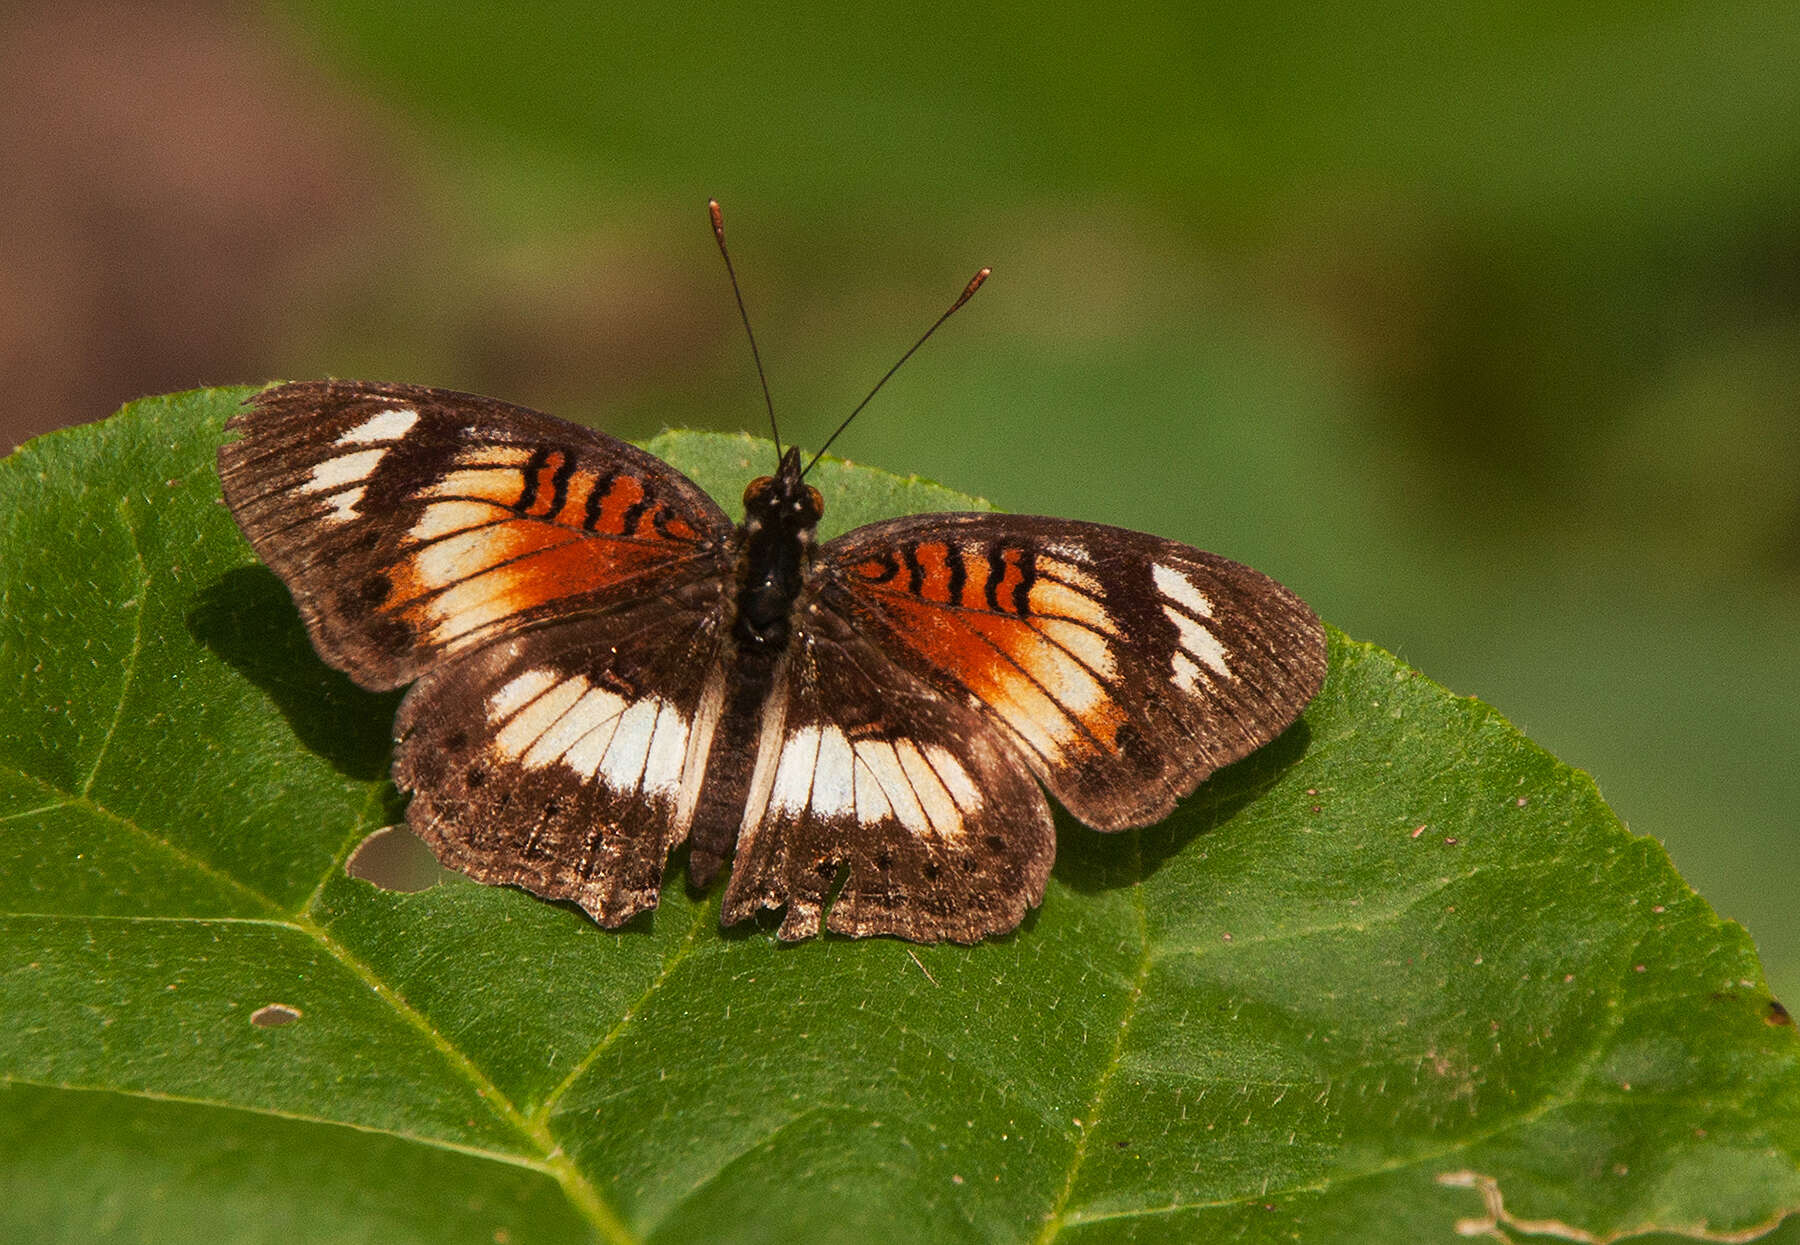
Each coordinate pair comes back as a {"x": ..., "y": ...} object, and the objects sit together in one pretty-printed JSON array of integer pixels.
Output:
[
  {"x": 1076, "y": 692},
  {"x": 975, "y": 571},
  {"x": 1039, "y": 690},
  {"x": 560, "y": 568},
  {"x": 574, "y": 507},
  {"x": 1010, "y": 579},
  {"x": 678, "y": 528},
  {"x": 621, "y": 495},
  {"x": 469, "y": 554},
  {"x": 934, "y": 560},
  {"x": 544, "y": 484}
]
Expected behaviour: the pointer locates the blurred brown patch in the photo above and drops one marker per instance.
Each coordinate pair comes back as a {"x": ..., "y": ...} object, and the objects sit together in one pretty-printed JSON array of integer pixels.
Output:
[{"x": 172, "y": 169}]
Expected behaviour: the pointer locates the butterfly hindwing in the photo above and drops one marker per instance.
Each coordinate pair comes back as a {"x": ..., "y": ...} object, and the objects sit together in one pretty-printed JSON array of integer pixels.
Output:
[
  {"x": 568, "y": 760},
  {"x": 874, "y": 794},
  {"x": 414, "y": 524},
  {"x": 1123, "y": 668}
]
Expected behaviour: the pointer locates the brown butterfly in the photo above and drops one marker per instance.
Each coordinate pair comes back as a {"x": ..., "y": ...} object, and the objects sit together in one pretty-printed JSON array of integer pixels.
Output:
[{"x": 604, "y": 666}]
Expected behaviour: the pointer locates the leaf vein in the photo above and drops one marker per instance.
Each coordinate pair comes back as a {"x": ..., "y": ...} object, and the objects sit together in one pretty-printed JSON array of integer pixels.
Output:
[
  {"x": 137, "y": 646},
  {"x": 1567, "y": 1095},
  {"x": 371, "y": 803},
  {"x": 70, "y": 799},
  {"x": 1055, "y": 1219},
  {"x": 300, "y": 1117},
  {"x": 541, "y": 1116},
  {"x": 581, "y": 1192},
  {"x": 33, "y": 812}
]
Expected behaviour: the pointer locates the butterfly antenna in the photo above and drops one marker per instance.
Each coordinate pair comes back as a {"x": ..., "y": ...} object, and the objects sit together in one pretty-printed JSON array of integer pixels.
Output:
[
  {"x": 965, "y": 296},
  {"x": 718, "y": 227}
]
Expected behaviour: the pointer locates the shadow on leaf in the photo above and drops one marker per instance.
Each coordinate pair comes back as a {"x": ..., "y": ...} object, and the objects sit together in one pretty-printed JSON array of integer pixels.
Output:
[
  {"x": 248, "y": 619},
  {"x": 1089, "y": 862}
]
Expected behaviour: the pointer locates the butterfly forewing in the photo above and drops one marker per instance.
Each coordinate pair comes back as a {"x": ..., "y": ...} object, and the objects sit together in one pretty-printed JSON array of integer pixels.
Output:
[
  {"x": 1122, "y": 668},
  {"x": 413, "y": 524}
]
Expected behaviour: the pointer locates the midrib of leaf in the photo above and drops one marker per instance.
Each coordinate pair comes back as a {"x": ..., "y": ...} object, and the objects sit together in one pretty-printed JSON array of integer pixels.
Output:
[
  {"x": 1090, "y": 1118},
  {"x": 581, "y": 1192},
  {"x": 541, "y": 1117},
  {"x": 549, "y": 1157}
]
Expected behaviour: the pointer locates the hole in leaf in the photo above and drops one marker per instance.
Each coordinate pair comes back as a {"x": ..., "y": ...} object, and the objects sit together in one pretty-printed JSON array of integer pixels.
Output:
[
  {"x": 274, "y": 1015},
  {"x": 393, "y": 858}
]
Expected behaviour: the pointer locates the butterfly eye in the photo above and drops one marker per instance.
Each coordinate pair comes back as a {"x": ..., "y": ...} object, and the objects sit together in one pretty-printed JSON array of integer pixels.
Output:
[
  {"x": 758, "y": 487},
  {"x": 815, "y": 503}
]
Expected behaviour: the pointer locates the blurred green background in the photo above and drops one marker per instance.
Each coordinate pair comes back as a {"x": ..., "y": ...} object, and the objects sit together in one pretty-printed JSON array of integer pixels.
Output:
[{"x": 1478, "y": 324}]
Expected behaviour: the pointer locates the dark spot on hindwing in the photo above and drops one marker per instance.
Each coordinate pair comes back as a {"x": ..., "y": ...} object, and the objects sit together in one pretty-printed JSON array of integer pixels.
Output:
[
  {"x": 475, "y": 777},
  {"x": 1127, "y": 740},
  {"x": 374, "y": 590},
  {"x": 390, "y": 633}
]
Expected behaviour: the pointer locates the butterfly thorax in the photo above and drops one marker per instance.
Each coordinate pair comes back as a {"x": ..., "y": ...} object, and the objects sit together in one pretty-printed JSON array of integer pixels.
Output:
[{"x": 780, "y": 514}]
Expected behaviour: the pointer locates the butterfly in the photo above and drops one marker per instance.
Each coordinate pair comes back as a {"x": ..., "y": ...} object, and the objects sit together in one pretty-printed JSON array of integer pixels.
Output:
[{"x": 604, "y": 666}]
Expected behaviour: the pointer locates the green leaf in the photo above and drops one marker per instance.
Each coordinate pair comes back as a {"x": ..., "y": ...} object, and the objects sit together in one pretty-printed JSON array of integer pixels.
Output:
[{"x": 1400, "y": 976}]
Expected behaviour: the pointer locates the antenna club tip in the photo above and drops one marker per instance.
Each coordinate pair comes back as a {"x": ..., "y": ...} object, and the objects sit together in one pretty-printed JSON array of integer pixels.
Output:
[
  {"x": 969, "y": 289},
  {"x": 718, "y": 220}
]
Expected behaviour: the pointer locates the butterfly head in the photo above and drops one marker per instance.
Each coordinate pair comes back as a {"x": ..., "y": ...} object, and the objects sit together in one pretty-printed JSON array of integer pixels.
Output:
[{"x": 783, "y": 502}]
